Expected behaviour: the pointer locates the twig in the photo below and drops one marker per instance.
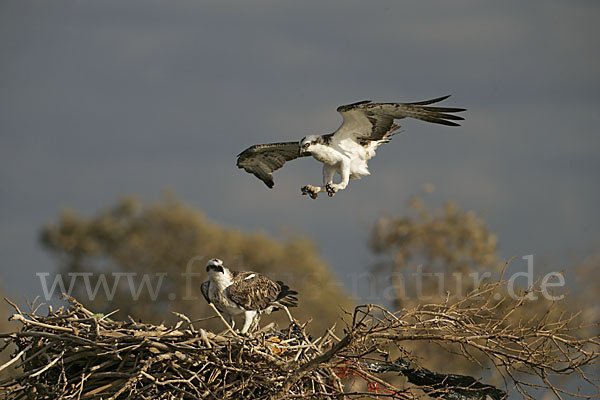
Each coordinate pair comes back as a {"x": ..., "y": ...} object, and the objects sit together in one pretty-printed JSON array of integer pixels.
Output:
[
  {"x": 21, "y": 318},
  {"x": 15, "y": 358},
  {"x": 47, "y": 367},
  {"x": 222, "y": 319}
]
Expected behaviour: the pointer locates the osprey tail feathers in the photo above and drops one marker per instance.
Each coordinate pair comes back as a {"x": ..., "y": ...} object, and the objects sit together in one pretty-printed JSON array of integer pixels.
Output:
[{"x": 287, "y": 296}]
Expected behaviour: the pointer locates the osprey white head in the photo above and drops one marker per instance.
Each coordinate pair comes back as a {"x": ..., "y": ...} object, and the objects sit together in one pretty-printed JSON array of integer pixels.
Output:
[
  {"x": 307, "y": 142},
  {"x": 215, "y": 267}
]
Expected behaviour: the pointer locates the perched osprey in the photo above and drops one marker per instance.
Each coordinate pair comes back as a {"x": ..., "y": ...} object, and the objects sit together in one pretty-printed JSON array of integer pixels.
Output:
[
  {"x": 365, "y": 127},
  {"x": 249, "y": 293}
]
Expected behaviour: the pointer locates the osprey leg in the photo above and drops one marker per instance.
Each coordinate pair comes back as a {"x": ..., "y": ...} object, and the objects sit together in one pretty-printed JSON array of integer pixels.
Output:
[
  {"x": 248, "y": 320},
  {"x": 333, "y": 188},
  {"x": 328, "y": 173}
]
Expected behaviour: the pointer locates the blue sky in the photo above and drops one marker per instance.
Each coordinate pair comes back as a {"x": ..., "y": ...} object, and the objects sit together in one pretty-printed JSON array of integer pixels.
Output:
[{"x": 101, "y": 99}]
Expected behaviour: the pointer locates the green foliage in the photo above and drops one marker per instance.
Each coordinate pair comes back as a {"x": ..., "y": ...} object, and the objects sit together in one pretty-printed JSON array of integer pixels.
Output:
[{"x": 171, "y": 238}]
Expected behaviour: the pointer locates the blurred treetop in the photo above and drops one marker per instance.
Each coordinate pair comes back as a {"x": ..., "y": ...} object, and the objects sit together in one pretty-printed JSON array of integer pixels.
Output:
[{"x": 173, "y": 240}]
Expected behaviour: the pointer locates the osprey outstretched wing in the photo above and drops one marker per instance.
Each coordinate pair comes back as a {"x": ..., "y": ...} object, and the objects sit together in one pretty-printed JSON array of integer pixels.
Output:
[
  {"x": 366, "y": 121},
  {"x": 365, "y": 127},
  {"x": 262, "y": 159}
]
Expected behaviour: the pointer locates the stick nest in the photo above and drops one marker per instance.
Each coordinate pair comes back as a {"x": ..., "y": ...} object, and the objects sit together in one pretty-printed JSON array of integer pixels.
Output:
[{"x": 76, "y": 354}]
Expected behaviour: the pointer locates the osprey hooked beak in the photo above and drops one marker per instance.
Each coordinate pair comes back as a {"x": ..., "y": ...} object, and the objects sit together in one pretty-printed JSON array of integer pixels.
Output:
[{"x": 303, "y": 149}]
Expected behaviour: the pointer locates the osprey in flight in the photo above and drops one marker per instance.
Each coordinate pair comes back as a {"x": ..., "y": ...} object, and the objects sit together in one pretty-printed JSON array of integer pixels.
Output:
[
  {"x": 248, "y": 293},
  {"x": 365, "y": 127}
]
